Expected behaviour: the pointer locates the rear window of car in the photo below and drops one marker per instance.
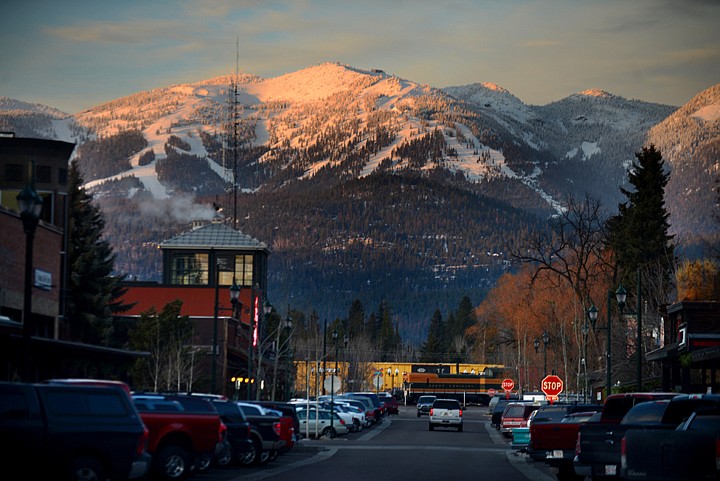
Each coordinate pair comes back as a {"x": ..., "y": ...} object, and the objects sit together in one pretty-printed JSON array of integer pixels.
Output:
[
  {"x": 102, "y": 403},
  {"x": 445, "y": 404},
  {"x": 516, "y": 411},
  {"x": 650, "y": 412},
  {"x": 426, "y": 399}
]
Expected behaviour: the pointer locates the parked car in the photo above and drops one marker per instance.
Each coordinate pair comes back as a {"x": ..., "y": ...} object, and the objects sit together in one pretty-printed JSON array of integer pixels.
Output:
[
  {"x": 368, "y": 405},
  {"x": 268, "y": 431},
  {"x": 424, "y": 403},
  {"x": 185, "y": 433},
  {"x": 319, "y": 422},
  {"x": 446, "y": 413},
  {"x": 690, "y": 452},
  {"x": 287, "y": 409},
  {"x": 516, "y": 415},
  {"x": 239, "y": 445},
  {"x": 391, "y": 404},
  {"x": 71, "y": 432},
  {"x": 498, "y": 410},
  {"x": 361, "y": 407},
  {"x": 378, "y": 406}
]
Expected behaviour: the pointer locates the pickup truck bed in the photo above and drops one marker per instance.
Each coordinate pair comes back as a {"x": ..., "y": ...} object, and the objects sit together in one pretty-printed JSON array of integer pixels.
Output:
[
  {"x": 690, "y": 453},
  {"x": 599, "y": 444},
  {"x": 183, "y": 431}
]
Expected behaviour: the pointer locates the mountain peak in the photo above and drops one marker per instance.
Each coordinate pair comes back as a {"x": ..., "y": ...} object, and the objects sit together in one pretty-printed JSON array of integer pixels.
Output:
[{"x": 599, "y": 93}]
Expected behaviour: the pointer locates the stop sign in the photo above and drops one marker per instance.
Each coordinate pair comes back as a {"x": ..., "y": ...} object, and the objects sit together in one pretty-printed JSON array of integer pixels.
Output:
[
  {"x": 491, "y": 392},
  {"x": 508, "y": 384},
  {"x": 551, "y": 385}
]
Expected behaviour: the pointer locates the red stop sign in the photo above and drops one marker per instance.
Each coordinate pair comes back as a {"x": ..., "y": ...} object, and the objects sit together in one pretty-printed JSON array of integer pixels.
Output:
[
  {"x": 508, "y": 384},
  {"x": 491, "y": 392},
  {"x": 551, "y": 385}
]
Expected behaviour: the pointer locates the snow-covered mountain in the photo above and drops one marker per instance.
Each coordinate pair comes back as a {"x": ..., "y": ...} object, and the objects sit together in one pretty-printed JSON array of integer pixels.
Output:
[{"x": 312, "y": 133}]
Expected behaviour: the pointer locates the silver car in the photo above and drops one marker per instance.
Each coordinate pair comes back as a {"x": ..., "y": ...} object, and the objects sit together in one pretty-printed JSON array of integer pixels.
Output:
[
  {"x": 424, "y": 403},
  {"x": 446, "y": 413}
]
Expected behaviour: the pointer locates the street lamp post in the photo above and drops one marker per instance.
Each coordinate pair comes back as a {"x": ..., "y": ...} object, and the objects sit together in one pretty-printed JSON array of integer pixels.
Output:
[
  {"x": 332, "y": 380},
  {"x": 620, "y": 296},
  {"x": 536, "y": 345},
  {"x": 30, "y": 204},
  {"x": 592, "y": 316},
  {"x": 234, "y": 294},
  {"x": 286, "y": 324},
  {"x": 585, "y": 330},
  {"x": 346, "y": 340},
  {"x": 546, "y": 341}
]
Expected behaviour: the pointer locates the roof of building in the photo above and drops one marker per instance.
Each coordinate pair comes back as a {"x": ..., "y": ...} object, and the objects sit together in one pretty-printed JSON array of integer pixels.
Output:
[{"x": 214, "y": 236}]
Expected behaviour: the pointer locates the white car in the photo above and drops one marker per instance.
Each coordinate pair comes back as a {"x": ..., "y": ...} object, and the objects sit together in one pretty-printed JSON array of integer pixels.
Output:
[
  {"x": 354, "y": 415},
  {"x": 446, "y": 413},
  {"x": 317, "y": 422}
]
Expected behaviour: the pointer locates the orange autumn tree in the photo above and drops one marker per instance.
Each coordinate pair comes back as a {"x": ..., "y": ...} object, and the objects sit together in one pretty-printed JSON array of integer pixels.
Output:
[{"x": 563, "y": 270}]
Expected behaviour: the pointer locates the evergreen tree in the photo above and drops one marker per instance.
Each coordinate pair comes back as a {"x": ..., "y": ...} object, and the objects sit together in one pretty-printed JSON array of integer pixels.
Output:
[
  {"x": 91, "y": 289},
  {"x": 433, "y": 349},
  {"x": 639, "y": 233},
  {"x": 356, "y": 319},
  {"x": 387, "y": 339}
]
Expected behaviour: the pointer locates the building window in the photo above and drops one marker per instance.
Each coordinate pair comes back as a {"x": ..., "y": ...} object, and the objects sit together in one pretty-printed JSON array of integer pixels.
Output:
[
  {"x": 13, "y": 173},
  {"x": 189, "y": 269},
  {"x": 62, "y": 176},
  {"x": 43, "y": 174},
  {"x": 243, "y": 272}
]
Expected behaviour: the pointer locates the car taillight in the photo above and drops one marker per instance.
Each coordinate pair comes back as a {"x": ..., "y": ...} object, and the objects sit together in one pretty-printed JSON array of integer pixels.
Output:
[
  {"x": 623, "y": 453},
  {"x": 461, "y": 413},
  {"x": 222, "y": 431},
  {"x": 277, "y": 428},
  {"x": 342, "y": 421},
  {"x": 577, "y": 445},
  {"x": 431, "y": 411},
  {"x": 143, "y": 441}
]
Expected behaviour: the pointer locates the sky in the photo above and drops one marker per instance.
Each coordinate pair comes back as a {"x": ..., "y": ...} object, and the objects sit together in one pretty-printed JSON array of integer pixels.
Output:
[{"x": 75, "y": 54}]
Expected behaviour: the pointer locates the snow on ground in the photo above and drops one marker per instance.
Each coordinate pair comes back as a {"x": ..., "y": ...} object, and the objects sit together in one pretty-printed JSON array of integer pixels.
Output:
[
  {"x": 588, "y": 149},
  {"x": 709, "y": 113},
  {"x": 62, "y": 129}
]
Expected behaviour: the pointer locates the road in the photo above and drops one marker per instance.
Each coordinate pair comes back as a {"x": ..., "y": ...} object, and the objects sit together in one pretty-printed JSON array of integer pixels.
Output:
[{"x": 400, "y": 449}]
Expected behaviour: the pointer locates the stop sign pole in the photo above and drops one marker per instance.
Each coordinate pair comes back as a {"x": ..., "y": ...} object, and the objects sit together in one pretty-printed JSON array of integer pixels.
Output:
[{"x": 551, "y": 386}]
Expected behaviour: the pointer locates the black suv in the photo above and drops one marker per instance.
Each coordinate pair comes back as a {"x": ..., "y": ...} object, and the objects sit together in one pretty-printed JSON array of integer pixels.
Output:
[{"x": 67, "y": 432}]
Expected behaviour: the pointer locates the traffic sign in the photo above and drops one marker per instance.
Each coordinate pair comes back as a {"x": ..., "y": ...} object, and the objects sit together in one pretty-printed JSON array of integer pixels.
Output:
[
  {"x": 551, "y": 385},
  {"x": 508, "y": 384},
  {"x": 491, "y": 392}
]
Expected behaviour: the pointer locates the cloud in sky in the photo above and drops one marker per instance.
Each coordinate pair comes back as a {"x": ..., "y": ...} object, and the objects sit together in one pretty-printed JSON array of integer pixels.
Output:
[{"x": 76, "y": 54}]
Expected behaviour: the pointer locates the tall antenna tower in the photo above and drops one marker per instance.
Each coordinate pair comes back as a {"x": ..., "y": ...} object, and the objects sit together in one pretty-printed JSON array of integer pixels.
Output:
[{"x": 233, "y": 132}]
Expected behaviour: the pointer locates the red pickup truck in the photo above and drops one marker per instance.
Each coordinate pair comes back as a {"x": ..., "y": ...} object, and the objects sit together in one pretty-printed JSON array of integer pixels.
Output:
[
  {"x": 183, "y": 431},
  {"x": 554, "y": 441}
]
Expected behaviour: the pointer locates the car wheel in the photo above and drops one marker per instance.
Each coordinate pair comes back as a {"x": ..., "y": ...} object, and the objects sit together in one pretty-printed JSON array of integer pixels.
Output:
[
  {"x": 418, "y": 413},
  {"x": 225, "y": 457},
  {"x": 251, "y": 457},
  {"x": 328, "y": 432},
  {"x": 86, "y": 469},
  {"x": 172, "y": 463},
  {"x": 266, "y": 457},
  {"x": 356, "y": 425},
  {"x": 431, "y": 427}
]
